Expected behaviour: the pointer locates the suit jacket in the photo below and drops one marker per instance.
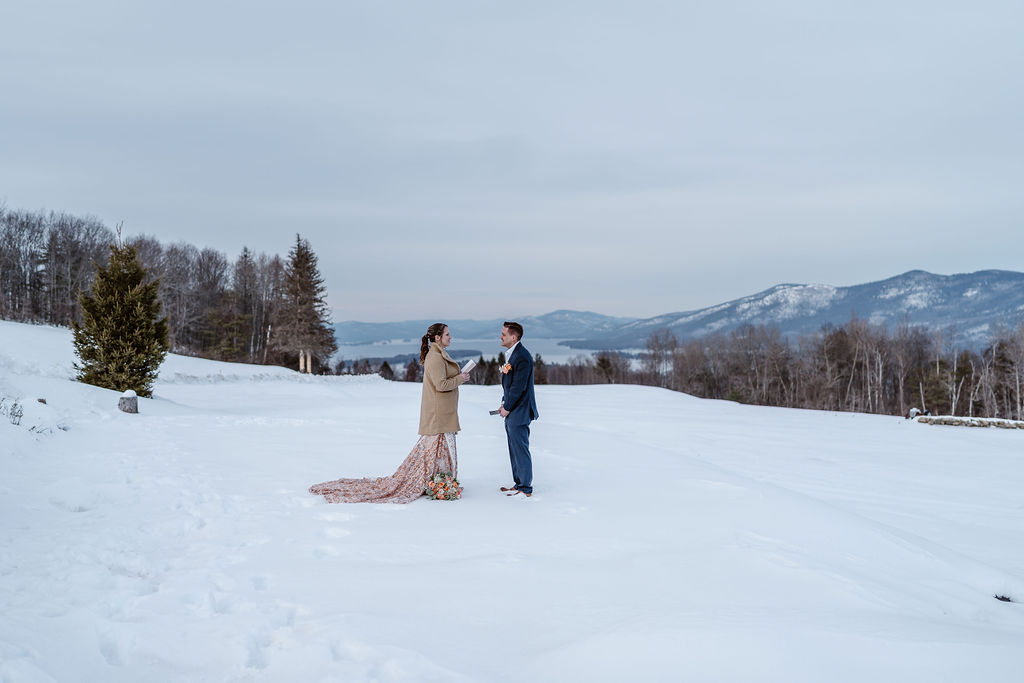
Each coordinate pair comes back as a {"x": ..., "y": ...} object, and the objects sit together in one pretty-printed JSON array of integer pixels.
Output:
[{"x": 517, "y": 383}]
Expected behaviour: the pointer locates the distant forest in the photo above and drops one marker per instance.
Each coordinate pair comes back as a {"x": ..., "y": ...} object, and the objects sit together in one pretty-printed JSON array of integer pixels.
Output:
[
  {"x": 855, "y": 367},
  {"x": 226, "y": 310}
]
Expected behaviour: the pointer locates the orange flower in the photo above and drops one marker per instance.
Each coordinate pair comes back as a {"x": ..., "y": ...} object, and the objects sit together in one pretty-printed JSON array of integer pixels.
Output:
[{"x": 505, "y": 368}]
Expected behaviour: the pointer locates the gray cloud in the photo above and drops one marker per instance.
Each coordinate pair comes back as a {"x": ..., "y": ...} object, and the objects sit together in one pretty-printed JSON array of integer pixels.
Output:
[{"x": 463, "y": 159}]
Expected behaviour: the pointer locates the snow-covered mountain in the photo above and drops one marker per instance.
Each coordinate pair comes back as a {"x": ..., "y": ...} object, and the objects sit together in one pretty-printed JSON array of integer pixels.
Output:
[{"x": 970, "y": 304}]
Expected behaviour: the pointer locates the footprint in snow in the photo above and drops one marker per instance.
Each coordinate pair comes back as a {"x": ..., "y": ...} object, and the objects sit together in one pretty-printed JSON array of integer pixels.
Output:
[
  {"x": 336, "y": 532},
  {"x": 111, "y": 651},
  {"x": 257, "y": 647},
  {"x": 335, "y": 516}
]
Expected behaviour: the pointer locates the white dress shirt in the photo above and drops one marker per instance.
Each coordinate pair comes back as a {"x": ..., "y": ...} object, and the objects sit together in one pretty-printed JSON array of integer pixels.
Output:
[{"x": 508, "y": 354}]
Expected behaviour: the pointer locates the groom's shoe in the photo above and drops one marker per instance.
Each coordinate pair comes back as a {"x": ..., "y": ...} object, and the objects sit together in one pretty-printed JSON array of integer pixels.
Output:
[{"x": 506, "y": 489}]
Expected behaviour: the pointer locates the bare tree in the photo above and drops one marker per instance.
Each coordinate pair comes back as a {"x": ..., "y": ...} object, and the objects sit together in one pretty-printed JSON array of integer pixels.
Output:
[
  {"x": 612, "y": 367},
  {"x": 658, "y": 363},
  {"x": 22, "y": 247},
  {"x": 177, "y": 293}
]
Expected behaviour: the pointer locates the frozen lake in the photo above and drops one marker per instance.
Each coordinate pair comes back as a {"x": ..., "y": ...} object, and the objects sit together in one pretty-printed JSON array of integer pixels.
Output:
[{"x": 549, "y": 349}]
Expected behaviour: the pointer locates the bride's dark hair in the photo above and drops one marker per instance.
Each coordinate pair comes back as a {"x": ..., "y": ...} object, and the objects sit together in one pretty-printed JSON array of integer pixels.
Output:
[{"x": 435, "y": 330}]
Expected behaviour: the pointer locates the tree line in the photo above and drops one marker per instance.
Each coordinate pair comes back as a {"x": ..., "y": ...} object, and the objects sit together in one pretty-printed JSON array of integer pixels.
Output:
[
  {"x": 261, "y": 308},
  {"x": 857, "y": 367},
  {"x": 854, "y": 367},
  {"x": 257, "y": 308}
]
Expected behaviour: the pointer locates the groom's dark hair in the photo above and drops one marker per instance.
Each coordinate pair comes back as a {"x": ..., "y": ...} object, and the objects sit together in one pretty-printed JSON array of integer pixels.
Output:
[{"x": 516, "y": 329}]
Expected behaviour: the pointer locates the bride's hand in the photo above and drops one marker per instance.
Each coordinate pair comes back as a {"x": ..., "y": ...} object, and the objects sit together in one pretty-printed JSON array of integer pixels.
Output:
[{"x": 464, "y": 376}]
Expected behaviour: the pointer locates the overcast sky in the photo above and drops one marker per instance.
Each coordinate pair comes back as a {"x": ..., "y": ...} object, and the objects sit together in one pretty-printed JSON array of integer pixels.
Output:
[{"x": 486, "y": 159}]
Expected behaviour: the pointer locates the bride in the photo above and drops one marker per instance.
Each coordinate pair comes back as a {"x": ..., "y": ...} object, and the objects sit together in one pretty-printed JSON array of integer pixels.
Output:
[{"x": 435, "y": 450}]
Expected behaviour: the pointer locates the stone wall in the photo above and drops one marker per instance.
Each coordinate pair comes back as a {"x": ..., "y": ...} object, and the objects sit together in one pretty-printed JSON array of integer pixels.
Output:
[{"x": 954, "y": 421}]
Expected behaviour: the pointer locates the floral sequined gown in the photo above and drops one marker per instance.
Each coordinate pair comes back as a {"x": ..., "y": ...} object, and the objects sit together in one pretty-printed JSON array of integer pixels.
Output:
[{"x": 431, "y": 454}]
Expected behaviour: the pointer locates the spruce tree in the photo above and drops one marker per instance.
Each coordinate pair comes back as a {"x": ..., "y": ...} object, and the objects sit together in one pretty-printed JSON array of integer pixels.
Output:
[
  {"x": 540, "y": 370},
  {"x": 121, "y": 341},
  {"x": 303, "y": 325},
  {"x": 413, "y": 372}
]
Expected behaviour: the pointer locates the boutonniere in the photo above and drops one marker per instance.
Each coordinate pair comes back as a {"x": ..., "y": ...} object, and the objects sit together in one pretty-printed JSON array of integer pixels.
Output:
[{"x": 505, "y": 368}]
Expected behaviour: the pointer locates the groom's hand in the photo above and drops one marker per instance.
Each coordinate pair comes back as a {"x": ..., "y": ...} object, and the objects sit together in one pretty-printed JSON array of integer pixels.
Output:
[{"x": 502, "y": 411}]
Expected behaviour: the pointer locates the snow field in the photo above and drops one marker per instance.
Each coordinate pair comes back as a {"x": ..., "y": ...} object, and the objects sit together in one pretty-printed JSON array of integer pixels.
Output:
[{"x": 670, "y": 538}]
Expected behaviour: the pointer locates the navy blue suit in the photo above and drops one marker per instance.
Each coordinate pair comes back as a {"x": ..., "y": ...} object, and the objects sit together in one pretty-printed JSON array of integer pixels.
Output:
[{"x": 521, "y": 404}]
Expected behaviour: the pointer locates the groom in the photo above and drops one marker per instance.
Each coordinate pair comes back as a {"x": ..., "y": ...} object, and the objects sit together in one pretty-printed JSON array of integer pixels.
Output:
[{"x": 518, "y": 407}]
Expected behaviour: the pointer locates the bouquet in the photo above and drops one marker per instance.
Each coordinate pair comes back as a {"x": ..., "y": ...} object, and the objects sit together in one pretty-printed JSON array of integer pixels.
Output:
[{"x": 443, "y": 486}]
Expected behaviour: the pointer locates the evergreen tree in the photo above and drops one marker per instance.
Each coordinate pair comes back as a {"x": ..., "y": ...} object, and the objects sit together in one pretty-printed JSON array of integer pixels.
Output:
[
  {"x": 540, "y": 370},
  {"x": 245, "y": 285},
  {"x": 121, "y": 341},
  {"x": 490, "y": 373},
  {"x": 303, "y": 325},
  {"x": 605, "y": 366},
  {"x": 413, "y": 371},
  {"x": 226, "y": 330},
  {"x": 386, "y": 371}
]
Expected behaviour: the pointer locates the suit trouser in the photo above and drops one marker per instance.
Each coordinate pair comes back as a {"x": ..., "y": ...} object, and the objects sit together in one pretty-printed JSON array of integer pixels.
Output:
[{"x": 519, "y": 454}]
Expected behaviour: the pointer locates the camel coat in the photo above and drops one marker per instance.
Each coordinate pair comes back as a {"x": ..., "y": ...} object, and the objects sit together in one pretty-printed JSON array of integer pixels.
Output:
[{"x": 439, "y": 408}]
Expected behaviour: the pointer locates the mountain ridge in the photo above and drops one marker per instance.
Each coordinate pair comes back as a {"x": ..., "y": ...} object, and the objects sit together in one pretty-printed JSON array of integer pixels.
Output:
[{"x": 971, "y": 304}]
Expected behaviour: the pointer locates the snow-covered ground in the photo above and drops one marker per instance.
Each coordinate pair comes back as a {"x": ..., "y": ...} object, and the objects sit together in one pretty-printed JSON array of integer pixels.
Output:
[{"x": 670, "y": 538}]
